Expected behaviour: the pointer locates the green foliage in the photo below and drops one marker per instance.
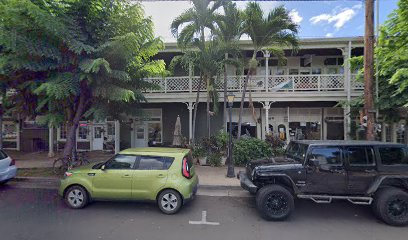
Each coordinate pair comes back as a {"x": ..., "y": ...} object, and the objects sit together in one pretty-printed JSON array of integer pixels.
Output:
[
  {"x": 214, "y": 159},
  {"x": 198, "y": 152},
  {"x": 222, "y": 139},
  {"x": 247, "y": 149},
  {"x": 276, "y": 144}
]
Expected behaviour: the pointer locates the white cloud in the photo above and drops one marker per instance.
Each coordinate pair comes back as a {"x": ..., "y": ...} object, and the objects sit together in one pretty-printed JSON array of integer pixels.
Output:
[
  {"x": 296, "y": 18},
  {"x": 329, "y": 35},
  {"x": 339, "y": 16}
]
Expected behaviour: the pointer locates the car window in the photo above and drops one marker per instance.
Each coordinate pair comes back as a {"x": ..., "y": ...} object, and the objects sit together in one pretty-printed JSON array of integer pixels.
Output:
[
  {"x": 121, "y": 162},
  {"x": 3, "y": 155},
  {"x": 360, "y": 156},
  {"x": 296, "y": 151},
  {"x": 326, "y": 155},
  {"x": 393, "y": 155},
  {"x": 155, "y": 163}
]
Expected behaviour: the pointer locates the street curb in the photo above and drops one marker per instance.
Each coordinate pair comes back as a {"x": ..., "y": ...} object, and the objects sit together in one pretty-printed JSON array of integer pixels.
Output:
[{"x": 35, "y": 179}]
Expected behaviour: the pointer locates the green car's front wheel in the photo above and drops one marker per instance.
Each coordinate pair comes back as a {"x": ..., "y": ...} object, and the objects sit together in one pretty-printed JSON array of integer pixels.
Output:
[
  {"x": 76, "y": 197},
  {"x": 169, "y": 201}
]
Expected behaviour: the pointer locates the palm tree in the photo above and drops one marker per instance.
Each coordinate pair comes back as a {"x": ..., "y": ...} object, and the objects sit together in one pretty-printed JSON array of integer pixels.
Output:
[
  {"x": 272, "y": 33},
  {"x": 194, "y": 21},
  {"x": 229, "y": 31}
]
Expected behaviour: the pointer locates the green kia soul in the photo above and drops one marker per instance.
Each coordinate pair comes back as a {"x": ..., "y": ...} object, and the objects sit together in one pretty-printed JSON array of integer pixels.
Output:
[{"x": 164, "y": 175}]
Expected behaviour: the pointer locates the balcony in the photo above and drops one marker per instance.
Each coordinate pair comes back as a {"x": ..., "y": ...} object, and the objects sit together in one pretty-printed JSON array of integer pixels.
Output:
[{"x": 277, "y": 83}]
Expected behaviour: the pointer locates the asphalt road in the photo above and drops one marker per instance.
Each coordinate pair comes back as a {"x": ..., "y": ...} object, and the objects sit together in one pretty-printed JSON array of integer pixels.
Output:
[{"x": 39, "y": 214}]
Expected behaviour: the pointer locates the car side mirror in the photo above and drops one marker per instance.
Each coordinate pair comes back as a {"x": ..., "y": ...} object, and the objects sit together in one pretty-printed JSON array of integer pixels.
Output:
[
  {"x": 103, "y": 167},
  {"x": 314, "y": 162}
]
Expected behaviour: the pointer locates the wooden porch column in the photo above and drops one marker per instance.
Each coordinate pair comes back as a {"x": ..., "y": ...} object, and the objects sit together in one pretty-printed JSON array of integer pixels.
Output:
[
  {"x": 51, "y": 142},
  {"x": 117, "y": 136}
]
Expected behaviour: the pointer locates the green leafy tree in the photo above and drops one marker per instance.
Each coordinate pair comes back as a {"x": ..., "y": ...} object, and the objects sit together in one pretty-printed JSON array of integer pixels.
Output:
[
  {"x": 77, "y": 59},
  {"x": 228, "y": 32},
  {"x": 189, "y": 29},
  {"x": 272, "y": 33}
]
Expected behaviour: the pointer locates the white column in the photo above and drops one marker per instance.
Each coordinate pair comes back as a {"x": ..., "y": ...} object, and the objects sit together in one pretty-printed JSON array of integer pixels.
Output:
[
  {"x": 383, "y": 132},
  {"x": 394, "y": 127},
  {"x": 266, "y": 55},
  {"x": 287, "y": 128},
  {"x": 132, "y": 133},
  {"x": 117, "y": 136},
  {"x": 190, "y": 107},
  {"x": 51, "y": 142},
  {"x": 190, "y": 77},
  {"x": 347, "y": 122},
  {"x": 267, "y": 106}
]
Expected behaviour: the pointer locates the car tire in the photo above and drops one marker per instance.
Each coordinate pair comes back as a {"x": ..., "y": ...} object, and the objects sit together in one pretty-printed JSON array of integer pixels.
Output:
[
  {"x": 76, "y": 197},
  {"x": 275, "y": 202},
  {"x": 391, "y": 206},
  {"x": 169, "y": 201}
]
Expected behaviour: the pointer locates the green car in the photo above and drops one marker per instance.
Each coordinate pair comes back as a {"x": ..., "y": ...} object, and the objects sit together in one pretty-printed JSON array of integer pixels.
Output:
[{"x": 164, "y": 175}]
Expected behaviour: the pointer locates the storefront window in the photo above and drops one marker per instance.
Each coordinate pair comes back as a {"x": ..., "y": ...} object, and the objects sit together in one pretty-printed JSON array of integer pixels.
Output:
[
  {"x": 304, "y": 130},
  {"x": 155, "y": 132},
  {"x": 63, "y": 132},
  {"x": 9, "y": 131},
  {"x": 111, "y": 129}
]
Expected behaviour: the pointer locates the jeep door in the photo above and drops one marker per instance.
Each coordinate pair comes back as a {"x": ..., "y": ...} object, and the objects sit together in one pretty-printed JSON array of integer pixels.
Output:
[
  {"x": 325, "y": 172},
  {"x": 361, "y": 168}
]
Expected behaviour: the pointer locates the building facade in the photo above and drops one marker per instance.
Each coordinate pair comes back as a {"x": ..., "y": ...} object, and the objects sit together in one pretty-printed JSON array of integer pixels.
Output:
[{"x": 297, "y": 99}]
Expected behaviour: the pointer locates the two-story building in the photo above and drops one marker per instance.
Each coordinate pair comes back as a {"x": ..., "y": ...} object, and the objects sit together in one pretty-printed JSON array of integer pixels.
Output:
[{"x": 297, "y": 99}]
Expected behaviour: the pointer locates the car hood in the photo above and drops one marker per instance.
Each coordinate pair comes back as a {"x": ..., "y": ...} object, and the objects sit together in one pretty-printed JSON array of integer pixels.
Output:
[
  {"x": 84, "y": 168},
  {"x": 274, "y": 164}
]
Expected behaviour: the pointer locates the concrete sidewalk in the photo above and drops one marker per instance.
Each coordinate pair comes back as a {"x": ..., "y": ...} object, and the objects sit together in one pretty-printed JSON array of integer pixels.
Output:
[{"x": 214, "y": 177}]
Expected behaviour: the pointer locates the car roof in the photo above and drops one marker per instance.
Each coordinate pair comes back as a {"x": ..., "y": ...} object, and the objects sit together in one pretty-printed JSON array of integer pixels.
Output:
[
  {"x": 156, "y": 150},
  {"x": 347, "y": 143}
]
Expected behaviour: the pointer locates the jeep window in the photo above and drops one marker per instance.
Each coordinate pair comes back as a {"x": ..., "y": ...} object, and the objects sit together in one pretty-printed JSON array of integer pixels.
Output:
[
  {"x": 326, "y": 155},
  {"x": 360, "y": 156},
  {"x": 296, "y": 151},
  {"x": 393, "y": 155}
]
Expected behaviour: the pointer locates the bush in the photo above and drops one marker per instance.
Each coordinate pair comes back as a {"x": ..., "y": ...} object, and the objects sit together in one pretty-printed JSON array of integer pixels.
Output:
[
  {"x": 276, "y": 144},
  {"x": 222, "y": 139},
  {"x": 214, "y": 159},
  {"x": 247, "y": 149},
  {"x": 198, "y": 152}
]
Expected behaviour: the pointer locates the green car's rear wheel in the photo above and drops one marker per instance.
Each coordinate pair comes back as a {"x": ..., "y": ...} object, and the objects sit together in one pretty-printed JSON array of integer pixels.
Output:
[{"x": 169, "y": 201}]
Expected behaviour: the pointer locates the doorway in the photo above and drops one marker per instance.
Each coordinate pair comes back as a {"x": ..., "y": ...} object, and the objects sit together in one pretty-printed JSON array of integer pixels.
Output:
[{"x": 97, "y": 143}]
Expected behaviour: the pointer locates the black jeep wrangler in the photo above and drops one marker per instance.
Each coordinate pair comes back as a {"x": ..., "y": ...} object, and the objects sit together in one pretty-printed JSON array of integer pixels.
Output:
[{"x": 362, "y": 172}]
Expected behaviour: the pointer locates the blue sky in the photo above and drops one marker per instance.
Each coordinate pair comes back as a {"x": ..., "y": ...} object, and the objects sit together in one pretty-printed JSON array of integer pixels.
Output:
[{"x": 341, "y": 18}]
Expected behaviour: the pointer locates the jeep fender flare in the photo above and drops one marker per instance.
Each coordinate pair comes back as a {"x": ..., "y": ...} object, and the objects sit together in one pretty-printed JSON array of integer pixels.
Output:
[
  {"x": 285, "y": 177},
  {"x": 380, "y": 180}
]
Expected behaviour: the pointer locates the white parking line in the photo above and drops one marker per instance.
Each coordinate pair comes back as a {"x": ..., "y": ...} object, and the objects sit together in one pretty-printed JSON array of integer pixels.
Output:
[{"x": 203, "y": 220}]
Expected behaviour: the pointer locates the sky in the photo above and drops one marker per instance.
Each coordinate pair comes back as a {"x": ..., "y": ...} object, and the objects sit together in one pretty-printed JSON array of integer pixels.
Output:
[{"x": 342, "y": 18}]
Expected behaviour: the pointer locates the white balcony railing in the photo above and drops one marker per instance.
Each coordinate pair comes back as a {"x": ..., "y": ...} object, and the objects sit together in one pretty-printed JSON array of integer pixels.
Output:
[{"x": 281, "y": 83}]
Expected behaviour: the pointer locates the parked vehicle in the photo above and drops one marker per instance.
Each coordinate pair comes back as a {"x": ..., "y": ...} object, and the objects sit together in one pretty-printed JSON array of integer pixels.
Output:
[
  {"x": 362, "y": 172},
  {"x": 164, "y": 175},
  {"x": 8, "y": 169}
]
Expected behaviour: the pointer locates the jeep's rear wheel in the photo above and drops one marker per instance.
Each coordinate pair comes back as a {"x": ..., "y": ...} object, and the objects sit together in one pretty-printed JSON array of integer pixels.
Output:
[
  {"x": 274, "y": 202},
  {"x": 391, "y": 206}
]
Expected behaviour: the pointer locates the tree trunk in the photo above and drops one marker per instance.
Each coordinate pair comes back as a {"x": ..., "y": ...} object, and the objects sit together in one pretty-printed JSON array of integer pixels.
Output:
[
  {"x": 71, "y": 141},
  {"x": 224, "y": 123},
  {"x": 241, "y": 108},
  {"x": 208, "y": 106},
  {"x": 196, "y": 108},
  {"x": 1, "y": 126}
]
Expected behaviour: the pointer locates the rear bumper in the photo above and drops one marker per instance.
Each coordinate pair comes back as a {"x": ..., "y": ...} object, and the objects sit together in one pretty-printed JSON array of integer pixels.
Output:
[
  {"x": 9, "y": 173},
  {"x": 246, "y": 183},
  {"x": 193, "y": 192}
]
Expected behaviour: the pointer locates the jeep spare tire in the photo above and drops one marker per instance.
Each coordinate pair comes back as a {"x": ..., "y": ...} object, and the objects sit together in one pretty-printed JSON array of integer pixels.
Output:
[
  {"x": 274, "y": 202},
  {"x": 391, "y": 206}
]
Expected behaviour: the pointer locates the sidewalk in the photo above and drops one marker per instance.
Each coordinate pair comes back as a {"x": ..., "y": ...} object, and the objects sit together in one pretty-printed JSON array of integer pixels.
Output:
[{"x": 210, "y": 177}]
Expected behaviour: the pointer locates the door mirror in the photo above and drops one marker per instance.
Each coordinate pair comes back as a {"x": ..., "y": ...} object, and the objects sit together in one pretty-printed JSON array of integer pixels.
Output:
[
  {"x": 314, "y": 162},
  {"x": 103, "y": 167}
]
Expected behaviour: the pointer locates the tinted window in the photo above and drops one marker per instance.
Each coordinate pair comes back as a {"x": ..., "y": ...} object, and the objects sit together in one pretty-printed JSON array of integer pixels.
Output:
[
  {"x": 3, "y": 155},
  {"x": 326, "y": 155},
  {"x": 296, "y": 151},
  {"x": 155, "y": 163},
  {"x": 358, "y": 156},
  {"x": 393, "y": 155},
  {"x": 121, "y": 162}
]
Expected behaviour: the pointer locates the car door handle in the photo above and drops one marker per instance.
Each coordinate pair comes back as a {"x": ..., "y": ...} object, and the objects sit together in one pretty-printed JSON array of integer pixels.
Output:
[
  {"x": 126, "y": 176},
  {"x": 369, "y": 170},
  {"x": 161, "y": 176}
]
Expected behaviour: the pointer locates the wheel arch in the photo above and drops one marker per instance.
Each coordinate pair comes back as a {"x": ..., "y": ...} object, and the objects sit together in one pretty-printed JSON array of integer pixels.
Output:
[
  {"x": 80, "y": 185},
  {"x": 388, "y": 181},
  {"x": 169, "y": 188},
  {"x": 283, "y": 180}
]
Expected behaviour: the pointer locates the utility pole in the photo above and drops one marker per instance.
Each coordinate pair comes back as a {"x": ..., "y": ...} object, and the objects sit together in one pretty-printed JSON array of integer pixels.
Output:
[{"x": 369, "y": 69}]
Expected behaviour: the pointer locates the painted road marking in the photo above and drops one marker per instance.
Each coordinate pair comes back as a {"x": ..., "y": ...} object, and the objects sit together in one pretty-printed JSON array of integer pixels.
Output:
[{"x": 203, "y": 220}]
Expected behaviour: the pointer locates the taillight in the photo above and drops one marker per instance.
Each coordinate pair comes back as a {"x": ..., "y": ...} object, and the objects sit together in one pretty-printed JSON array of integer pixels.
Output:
[
  {"x": 68, "y": 174},
  {"x": 13, "y": 162},
  {"x": 185, "y": 169}
]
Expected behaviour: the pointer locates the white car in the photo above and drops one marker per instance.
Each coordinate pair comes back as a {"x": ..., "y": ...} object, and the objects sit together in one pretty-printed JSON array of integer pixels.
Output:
[{"x": 8, "y": 168}]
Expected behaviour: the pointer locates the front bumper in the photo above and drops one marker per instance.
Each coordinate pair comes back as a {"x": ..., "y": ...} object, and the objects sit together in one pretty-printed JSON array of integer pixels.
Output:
[
  {"x": 9, "y": 173},
  {"x": 246, "y": 183}
]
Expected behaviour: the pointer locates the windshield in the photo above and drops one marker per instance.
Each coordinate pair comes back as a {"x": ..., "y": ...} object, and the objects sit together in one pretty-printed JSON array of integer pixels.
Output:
[{"x": 296, "y": 151}]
